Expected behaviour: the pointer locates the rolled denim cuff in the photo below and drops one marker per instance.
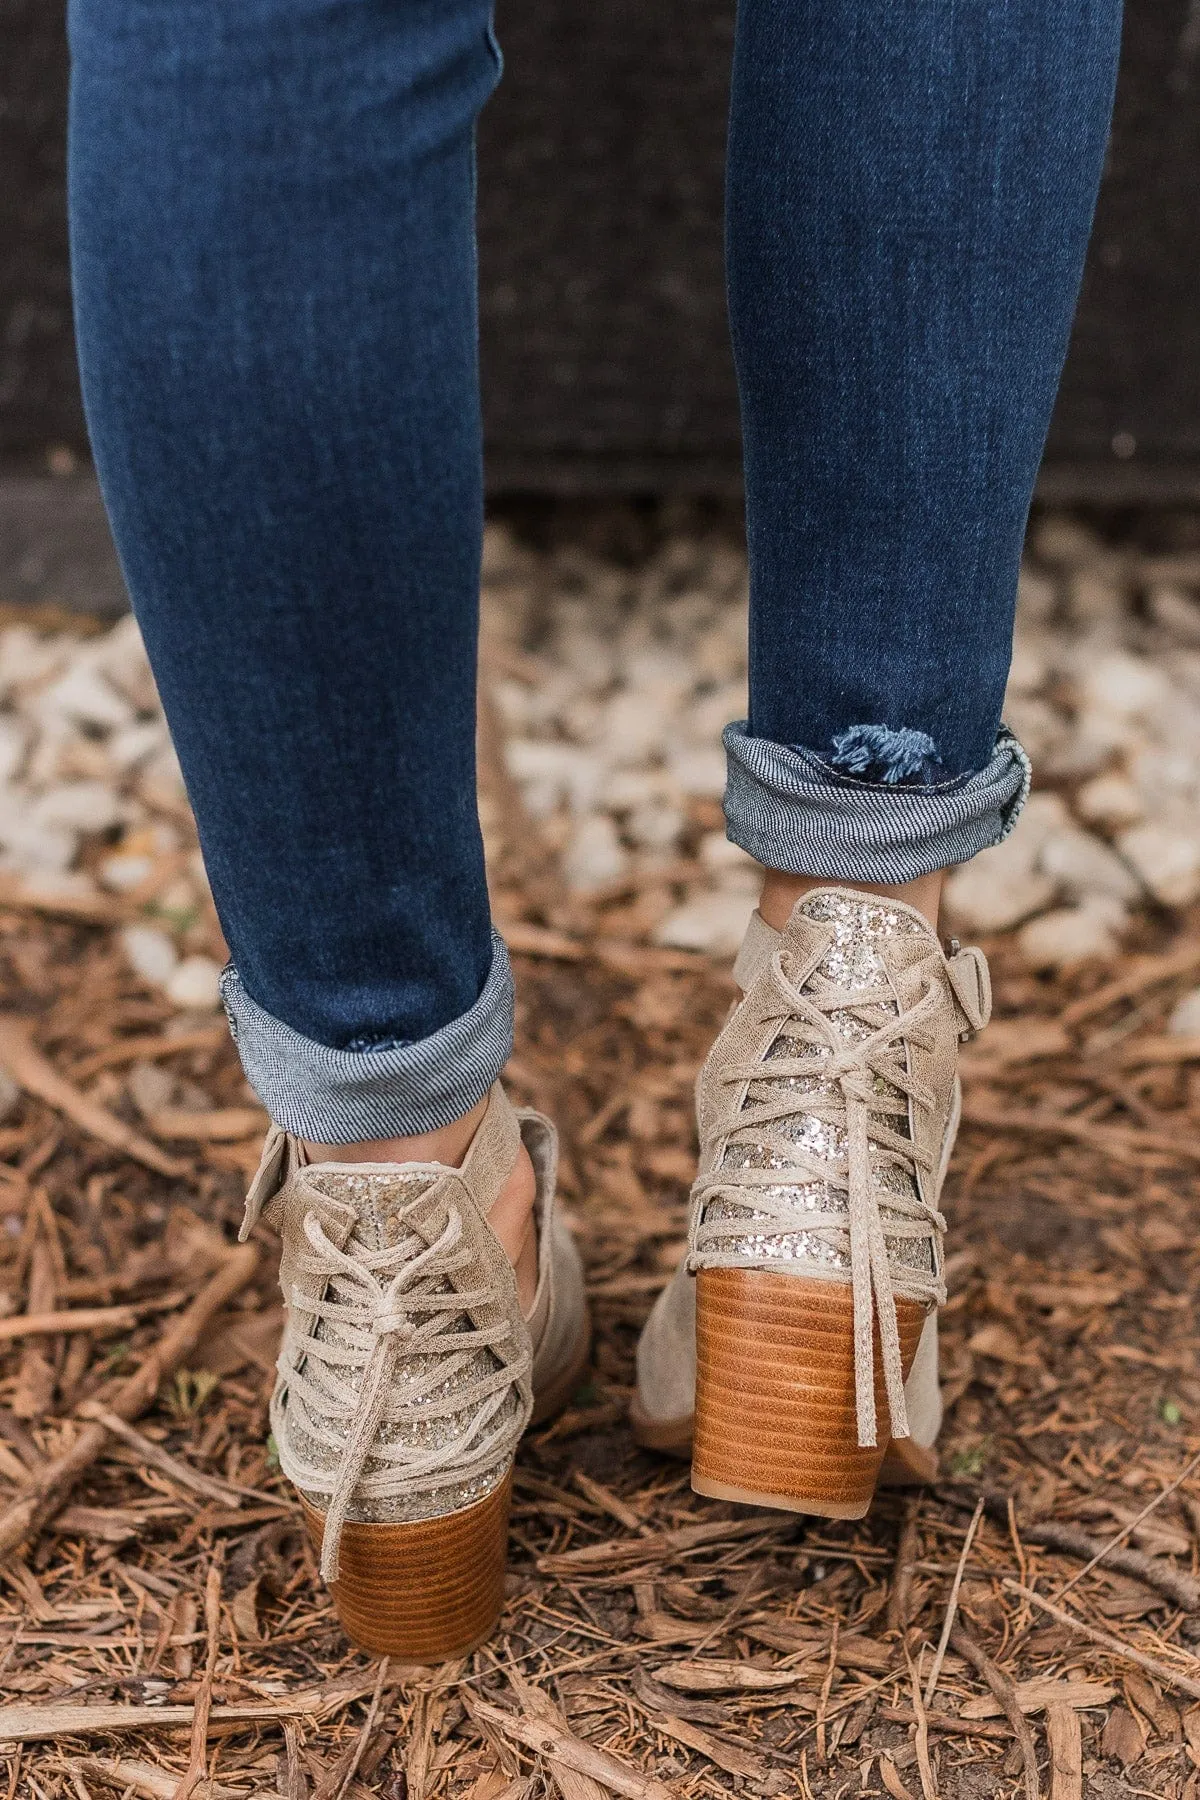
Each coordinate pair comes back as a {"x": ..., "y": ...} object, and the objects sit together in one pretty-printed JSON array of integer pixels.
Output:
[
  {"x": 792, "y": 811},
  {"x": 341, "y": 1096}
]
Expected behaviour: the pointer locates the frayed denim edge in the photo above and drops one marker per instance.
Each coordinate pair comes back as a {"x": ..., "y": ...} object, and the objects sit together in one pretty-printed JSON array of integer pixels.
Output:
[{"x": 792, "y": 811}]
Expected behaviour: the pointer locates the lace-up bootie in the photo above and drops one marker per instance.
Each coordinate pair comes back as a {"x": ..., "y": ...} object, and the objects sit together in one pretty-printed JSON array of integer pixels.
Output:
[
  {"x": 827, "y": 1110},
  {"x": 408, "y": 1373}
]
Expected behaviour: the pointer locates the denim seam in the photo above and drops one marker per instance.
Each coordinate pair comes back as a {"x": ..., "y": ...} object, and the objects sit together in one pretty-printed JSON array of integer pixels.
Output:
[
  {"x": 839, "y": 777},
  {"x": 338, "y": 1096}
]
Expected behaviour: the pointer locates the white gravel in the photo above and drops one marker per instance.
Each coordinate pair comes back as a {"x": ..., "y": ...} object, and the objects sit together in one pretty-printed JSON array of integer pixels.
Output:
[
  {"x": 618, "y": 682},
  {"x": 611, "y": 685}
]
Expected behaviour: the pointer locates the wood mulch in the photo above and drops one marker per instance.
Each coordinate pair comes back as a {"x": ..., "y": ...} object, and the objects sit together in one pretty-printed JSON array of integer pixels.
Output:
[{"x": 162, "y": 1631}]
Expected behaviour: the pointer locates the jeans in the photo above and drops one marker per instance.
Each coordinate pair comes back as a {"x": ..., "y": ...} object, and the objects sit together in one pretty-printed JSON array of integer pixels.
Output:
[{"x": 274, "y": 265}]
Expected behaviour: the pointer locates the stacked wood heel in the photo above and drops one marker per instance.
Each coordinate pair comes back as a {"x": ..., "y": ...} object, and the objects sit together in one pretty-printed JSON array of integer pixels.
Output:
[
  {"x": 776, "y": 1421},
  {"x": 423, "y": 1592}
]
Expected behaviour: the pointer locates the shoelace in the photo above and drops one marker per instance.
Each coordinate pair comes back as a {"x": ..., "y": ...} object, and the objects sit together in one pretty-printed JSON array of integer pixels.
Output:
[
  {"x": 851, "y": 1101},
  {"x": 404, "y": 1306}
]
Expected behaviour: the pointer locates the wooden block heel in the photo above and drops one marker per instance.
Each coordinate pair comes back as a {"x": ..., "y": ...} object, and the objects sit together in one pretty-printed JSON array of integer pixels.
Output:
[
  {"x": 775, "y": 1397},
  {"x": 423, "y": 1592}
]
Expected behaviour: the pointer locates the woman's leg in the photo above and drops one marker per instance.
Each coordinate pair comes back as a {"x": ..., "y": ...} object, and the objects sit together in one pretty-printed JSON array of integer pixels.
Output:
[
  {"x": 272, "y": 224},
  {"x": 910, "y": 193},
  {"x": 273, "y": 241}
]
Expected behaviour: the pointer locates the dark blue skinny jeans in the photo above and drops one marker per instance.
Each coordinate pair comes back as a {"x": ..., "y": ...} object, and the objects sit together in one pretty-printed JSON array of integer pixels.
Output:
[{"x": 273, "y": 244}]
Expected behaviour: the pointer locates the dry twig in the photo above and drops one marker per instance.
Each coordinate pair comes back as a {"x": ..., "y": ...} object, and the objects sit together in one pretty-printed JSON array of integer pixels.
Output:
[
  {"x": 30, "y": 1070},
  {"x": 1003, "y": 1688},
  {"x": 50, "y": 1487}
]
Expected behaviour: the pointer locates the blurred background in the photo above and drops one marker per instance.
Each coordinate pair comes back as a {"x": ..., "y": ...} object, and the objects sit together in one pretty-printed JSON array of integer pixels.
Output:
[
  {"x": 615, "y": 574},
  {"x": 605, "y": 360},
  {"x": 614, "y": 614}
]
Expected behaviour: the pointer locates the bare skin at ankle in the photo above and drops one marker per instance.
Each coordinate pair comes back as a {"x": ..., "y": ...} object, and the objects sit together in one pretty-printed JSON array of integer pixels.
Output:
[
  {"x": 511, "y": 1217},
  {"x": 780, "y": 893}
]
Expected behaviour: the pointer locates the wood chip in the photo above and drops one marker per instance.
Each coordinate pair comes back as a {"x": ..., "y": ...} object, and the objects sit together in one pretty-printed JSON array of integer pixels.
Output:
[
  {"x": 223, "y": 1125},
  {"x": 717, "y": 1677},
  {"x": 1066, "y": 1753},
  {"x": 552, "y": 1741},
  {"x": 661, "y": 1544},
  {"x": 725, "y": 1755},
  {"x": 1033, "y": 1696},
  {"x": 92, "y": 1319},
  {"x": 1005, "y": 1692},
  {"x": 1186, "y": 1684},
  {"x": 50, "y": 1488},
  {"x": 29, "y": 1724},
  {"x": 30, "y": 1070}
]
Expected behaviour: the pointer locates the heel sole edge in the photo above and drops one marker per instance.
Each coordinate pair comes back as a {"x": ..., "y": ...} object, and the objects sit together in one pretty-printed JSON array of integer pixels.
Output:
[{"x": 817, "y": 1509}]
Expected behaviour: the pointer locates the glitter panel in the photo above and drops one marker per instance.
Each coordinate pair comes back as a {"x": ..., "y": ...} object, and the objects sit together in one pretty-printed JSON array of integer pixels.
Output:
[
  {"x": 379, "y": 1198},
  {"x": 852, "y": 961}
]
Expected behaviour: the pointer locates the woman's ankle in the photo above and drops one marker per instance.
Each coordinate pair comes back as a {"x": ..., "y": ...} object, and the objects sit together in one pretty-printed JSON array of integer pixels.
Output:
[
  {"x": 512, "y": 1214},
  {"x": 780, "y": 893}
]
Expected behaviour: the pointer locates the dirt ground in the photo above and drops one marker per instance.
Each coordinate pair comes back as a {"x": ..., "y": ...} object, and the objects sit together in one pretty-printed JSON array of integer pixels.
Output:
[{"x": 653, "y": 1642}]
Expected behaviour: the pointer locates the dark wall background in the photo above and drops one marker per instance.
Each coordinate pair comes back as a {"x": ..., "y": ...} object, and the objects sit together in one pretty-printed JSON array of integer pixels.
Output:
[{"x": 604, "y": 354}]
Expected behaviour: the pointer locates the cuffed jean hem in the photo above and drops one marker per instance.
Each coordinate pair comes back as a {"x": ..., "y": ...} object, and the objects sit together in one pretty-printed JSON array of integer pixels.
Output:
[
  {"x": 341, "y": 1096},
  {"x": 791, "y": 811}
]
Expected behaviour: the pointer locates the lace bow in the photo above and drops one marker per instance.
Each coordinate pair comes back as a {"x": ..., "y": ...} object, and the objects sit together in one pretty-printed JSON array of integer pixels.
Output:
[{"x": 339, "y": 1389}]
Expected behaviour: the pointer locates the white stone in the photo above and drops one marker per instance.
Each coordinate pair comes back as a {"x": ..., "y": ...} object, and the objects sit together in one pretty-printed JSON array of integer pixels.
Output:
[
  {"x": 161, "y": 779},
  {"x": 84, "y": 696},
  {"x": 27, "y": 658},
  {"x": 33, "y": 849},
  {"x": 655, "y": 826},
  {"x": 1071, "y": 934},
  {"x": 553, "y": 774},
  {"x": 120, "y": 872},
  {"x": 1084, "y": 867},
  {"x": 1090, "y": 746},
  {"x": 1040, "y": 726},
  {"x": 49, "y": 752},
  {"x": 195, "y": 984},
  {"x": 594, "y": 855},
  {"x": 1111, "y": 800},
  {"x": 1030, "y": 664},
  {"x": 705, "y": 718},
  {"x": 633, "y": 729},
  {"x": 995, "y": 891},
  {"x": 79, "y": 806},
  {"x": 718, "y": 852},
  {"x": 1123, "y": 686},
  {"x": 700, "y": 772},
  {"x": 623, "y": 789},
  {"x": 1185, "y": 1016},
  {"x": 150, "y": 953},
  {"x": 135, "y": 743},
  {"x": 121, "y": 655},
  {"x": 713, "y": 923},
  {"x": 1168, "y": 861},
  {"x": 14, "y": 741},
  {"x": 151, "y": 1087},
  {"x": 1176, "y": 612},
  {"x": 1092, "y": 596},
  {"x": 1058, "y": 538},
  {"x": 1000, "y": 887}
]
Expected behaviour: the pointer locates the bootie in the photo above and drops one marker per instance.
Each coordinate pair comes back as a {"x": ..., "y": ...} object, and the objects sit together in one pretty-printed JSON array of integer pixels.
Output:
[
  {"x": 407, "y": 1373},
  {"x": 804, "y": 1317}
]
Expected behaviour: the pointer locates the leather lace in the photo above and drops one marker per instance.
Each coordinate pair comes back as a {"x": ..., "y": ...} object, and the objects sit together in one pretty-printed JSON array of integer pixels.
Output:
[
  {"x": 341, "y": 1388},
  {"x": 863, "y": 1085}
]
